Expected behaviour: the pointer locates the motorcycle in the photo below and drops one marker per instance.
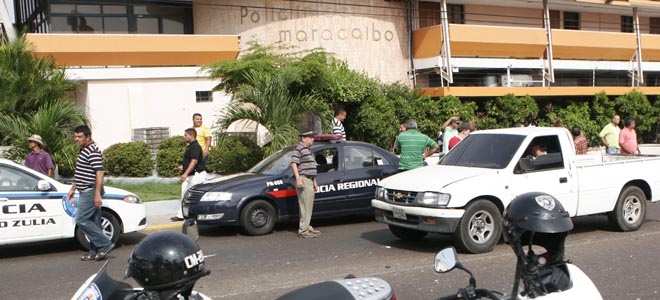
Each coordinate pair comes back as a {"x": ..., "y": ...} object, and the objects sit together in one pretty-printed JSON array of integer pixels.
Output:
[
  {"x": 540, "y": 282},
  {"x": 349, "y": 288},
  {"x": 101, "y": 286}
]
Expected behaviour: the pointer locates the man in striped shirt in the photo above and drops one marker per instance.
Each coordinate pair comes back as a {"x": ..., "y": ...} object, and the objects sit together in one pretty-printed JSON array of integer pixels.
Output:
[
  {"x": 412, "y": 145},
  {"x": 337, "y": 125},
  {"x": 303, "y": 166},
  {"x": 88, "y": 180}
]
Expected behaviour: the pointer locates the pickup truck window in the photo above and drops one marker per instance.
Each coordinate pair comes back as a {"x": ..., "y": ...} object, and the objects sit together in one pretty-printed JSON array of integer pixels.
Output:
[{"x": 492, "y": 151}]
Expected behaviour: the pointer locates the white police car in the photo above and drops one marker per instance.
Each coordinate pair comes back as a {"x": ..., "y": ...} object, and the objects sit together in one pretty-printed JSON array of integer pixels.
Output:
[
  {"x": 33, "y": 207},
  {"x": 348, "y": 173}
]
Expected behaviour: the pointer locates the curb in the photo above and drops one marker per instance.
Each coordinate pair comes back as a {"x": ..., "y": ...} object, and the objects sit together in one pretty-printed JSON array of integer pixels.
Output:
[{"x": 172, "y": 225}]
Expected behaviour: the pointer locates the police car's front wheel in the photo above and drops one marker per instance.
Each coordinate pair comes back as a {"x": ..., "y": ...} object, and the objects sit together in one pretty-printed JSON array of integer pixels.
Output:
[
  {"x": 109, "y": 226},
  {"x": 258, "y": 217}
]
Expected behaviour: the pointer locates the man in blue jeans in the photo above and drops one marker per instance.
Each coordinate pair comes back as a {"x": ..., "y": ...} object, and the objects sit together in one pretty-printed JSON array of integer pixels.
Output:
[{"x": 88, "y": 180}]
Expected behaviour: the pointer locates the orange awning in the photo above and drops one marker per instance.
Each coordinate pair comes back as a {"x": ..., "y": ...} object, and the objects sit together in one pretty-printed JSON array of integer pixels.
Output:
[{"x": 134, "y": 49}]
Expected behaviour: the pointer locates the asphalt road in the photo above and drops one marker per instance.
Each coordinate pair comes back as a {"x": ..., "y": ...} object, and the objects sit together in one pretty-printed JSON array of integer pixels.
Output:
[{"x": 622, "y": 265}]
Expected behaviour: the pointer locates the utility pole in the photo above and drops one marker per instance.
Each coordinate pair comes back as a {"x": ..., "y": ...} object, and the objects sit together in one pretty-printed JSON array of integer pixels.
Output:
[{"x": 6, "y": 21}]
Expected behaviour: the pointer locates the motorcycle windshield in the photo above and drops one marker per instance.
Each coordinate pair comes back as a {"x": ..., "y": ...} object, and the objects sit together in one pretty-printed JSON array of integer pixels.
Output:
[{"x": 97, "y": 287}]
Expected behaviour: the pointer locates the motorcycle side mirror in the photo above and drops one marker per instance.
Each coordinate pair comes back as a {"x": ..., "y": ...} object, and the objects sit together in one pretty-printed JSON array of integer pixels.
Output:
[
  {"x": 446, "y": 260},
  {"x": 190, "y": 229}
]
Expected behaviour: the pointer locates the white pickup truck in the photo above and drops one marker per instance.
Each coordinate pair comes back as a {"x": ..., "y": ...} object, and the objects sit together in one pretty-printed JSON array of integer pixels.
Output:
[{"x": 467, "y": 192}]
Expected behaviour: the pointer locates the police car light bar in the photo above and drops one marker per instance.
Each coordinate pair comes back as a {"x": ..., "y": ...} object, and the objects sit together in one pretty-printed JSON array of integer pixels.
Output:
[{"x": 326, "y": 137}]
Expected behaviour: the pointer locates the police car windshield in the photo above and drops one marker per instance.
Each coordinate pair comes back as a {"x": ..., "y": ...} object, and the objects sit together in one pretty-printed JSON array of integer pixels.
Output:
[
  {"x": 274, "y": 164},
  {"x": 492, "y": 151}
]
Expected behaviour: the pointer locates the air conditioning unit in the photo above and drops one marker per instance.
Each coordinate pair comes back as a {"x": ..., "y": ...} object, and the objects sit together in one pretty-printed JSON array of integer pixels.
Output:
[{"x": 518, "y": 80}]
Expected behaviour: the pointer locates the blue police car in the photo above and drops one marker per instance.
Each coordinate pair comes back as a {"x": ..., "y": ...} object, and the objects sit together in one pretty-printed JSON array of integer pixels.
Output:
[{"x": 348, "y": 173}]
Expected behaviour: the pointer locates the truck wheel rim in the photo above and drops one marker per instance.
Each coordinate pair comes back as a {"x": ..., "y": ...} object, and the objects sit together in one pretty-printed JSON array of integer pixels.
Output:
[
  {"x": 632, "y": 209},
  {"x": 481, "y": 227},
  {"x": 259, "y": 217}
]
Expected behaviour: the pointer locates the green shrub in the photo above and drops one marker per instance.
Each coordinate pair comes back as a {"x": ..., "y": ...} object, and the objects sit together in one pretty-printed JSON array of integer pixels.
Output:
[
  {"x": 235, "y": 154},
  {"x": 170, "y": 155},
  {"x": 509, "y": 109},
  {"x": 128, "y": 159},
  {"x": 636, "y": 105},
  {"x": 577, "y": 113},
  {"x": 168, "y": 161},
  {"x": 176, "y": 141}
]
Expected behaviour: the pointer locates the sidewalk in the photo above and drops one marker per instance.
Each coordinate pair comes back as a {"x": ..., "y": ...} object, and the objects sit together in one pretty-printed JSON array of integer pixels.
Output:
[{"x": 159, "y": 214}]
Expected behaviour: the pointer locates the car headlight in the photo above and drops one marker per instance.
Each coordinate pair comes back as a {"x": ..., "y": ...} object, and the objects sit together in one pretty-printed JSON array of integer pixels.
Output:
[
  {"x": 132, "y": 199},
  {"x": 381, "y": 193},
  {"x": 434, "y": 199},
  {"x": 216, "y": 196}
]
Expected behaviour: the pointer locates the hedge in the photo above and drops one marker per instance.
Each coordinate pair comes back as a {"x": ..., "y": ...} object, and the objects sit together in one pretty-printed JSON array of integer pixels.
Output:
[{"x": 128, "y": 159}]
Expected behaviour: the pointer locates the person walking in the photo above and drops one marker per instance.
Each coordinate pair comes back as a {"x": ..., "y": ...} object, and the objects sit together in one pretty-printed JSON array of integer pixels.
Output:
[
  {"x": 337, "y": 123},
  {"x": 193, "y": 171},
  {"x": 303, "y": 166},
  {"x": 88, "y": 180},
  {"x": 610, "y": 135},
  {"x": 38, "y": 159},
  {"x": 628, "y": 137},
  {"x": 412, "y": 145},
  {"x": 203, "y": 136}
]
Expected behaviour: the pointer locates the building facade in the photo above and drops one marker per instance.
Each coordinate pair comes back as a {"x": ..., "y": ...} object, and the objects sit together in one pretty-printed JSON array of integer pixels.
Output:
[{"x": 469, "y": 48}]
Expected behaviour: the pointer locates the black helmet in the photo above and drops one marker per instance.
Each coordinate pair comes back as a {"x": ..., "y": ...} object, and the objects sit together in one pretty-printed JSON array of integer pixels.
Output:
[
  {"x": 538, "y": 219},
  {"x": 166, "y": 261},
  {"x": 536, "y": 212}
]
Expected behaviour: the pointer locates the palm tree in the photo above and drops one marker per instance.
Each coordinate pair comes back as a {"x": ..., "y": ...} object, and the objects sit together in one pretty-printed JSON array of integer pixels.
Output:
[
  {"x": 53, "y": 121},
  {"x": 28, "y": 82},
  {"x": 34, "y": 100},
  {"x": 266, "y": 100}
]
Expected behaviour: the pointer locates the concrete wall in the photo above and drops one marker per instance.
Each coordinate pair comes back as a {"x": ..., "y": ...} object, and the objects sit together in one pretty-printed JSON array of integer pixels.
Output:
[
  {"x": 116, "y": 107},
  {"x": 371, "y": 39}
]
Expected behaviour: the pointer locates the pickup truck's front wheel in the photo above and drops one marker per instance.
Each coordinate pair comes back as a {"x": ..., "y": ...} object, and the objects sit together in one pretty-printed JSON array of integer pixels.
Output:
[
  {"x": 480, "y": 227},
  {"x": 407, "y": 234},
  {"x": 630, "y": 210}
]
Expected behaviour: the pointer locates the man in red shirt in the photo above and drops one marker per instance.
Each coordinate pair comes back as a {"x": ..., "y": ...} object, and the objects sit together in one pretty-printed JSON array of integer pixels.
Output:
[
  {"x": 581, "y": 145},
  {"x": 628, "y": 137}
]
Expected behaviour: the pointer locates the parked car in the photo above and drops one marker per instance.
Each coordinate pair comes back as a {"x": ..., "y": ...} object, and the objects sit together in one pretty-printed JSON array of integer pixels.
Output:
[
  {"x": 467, "y": 192},
  {"x": 34, "y": 208},
  {"x": 256, "y": 200}
]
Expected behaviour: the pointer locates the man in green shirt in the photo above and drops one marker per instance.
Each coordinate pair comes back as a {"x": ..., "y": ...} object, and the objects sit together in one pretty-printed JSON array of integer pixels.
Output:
[{"x": 412, "y": 145}]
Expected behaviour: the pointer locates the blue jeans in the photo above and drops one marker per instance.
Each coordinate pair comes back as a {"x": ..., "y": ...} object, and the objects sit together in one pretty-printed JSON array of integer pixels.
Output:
[
  {"x": 611, "y": 150},
  {"x": 88, "y": 218}
]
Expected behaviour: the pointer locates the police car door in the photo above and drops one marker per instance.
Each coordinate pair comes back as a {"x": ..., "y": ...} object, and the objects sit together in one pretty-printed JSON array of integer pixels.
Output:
[
  {"x": 330, "y": 174},
  {"x": 27, "y": 213},
  {"x": 364, "y": 168}
]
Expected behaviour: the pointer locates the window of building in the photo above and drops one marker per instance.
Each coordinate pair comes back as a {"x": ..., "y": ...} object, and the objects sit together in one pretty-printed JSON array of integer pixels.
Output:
[
  {"x": 456, "y": 13},
  {"x": 555, "y": 19},
  {"x": 204, "y": 96},
  {"x": 131, "y": 17},
  {"x": 626, "y": 24},
  {"x": 571, "y": 20},
  {"x": 429, "y": 14},
  {"x": 655, "y": 26}
]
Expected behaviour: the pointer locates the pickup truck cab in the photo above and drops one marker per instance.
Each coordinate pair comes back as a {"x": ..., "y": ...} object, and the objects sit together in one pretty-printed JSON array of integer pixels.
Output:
[{"x": 467, "y": 192}]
